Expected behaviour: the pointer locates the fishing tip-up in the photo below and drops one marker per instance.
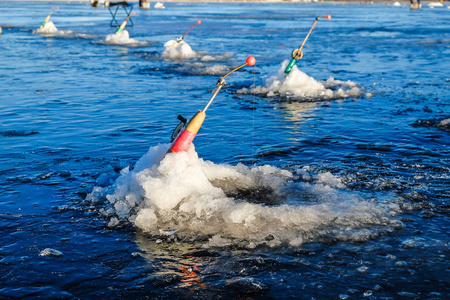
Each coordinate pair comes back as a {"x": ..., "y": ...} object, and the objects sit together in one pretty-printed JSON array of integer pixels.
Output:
[
  {"x": 185, "y": 132},
  {"x": 48, "y": 17},
  {"x": 184, "y": 35},
  {"x": 124, "y": 23},
  {"x": 297, "y": 54}
]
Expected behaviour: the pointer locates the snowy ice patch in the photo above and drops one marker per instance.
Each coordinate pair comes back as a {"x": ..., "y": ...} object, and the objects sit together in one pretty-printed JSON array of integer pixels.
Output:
[
  {"x": 225, "y": 205},
  {"x": 178, "y": 50},
  {"x": 298, "y": 85}
]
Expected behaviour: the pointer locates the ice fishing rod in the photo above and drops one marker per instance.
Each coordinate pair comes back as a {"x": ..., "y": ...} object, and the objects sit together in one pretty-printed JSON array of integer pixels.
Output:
[
  {"x": 185, "y": 132},
  {"x": 124, "y": 23},
  {"x": 297, "y": 54},
  {"x": 184, "y": 35},
  {"x": 48, "y": 18}
]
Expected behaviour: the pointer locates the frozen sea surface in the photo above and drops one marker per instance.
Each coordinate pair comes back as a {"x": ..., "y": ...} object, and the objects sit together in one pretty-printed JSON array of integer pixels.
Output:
[{"x": 329, "y": 183}]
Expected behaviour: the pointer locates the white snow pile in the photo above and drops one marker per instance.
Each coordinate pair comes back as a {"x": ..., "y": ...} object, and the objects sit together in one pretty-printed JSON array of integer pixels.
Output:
[
  {"x": 50, "y": 29},
  {"x": 298, "y": 85},
  {"x": 122, "y": 38},
  {"x": 225, "y": 205},
  {"x": 178, "y": 50}
]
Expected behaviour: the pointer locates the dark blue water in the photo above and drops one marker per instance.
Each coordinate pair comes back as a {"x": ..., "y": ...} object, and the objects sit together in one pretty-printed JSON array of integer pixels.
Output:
[{"x": 352, "y": 203}]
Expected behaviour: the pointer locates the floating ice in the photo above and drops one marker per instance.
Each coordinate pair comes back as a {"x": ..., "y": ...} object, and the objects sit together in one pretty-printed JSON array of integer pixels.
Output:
[
  {"x": 297, "y": 84},
  {"x": 178, "y": 50},
  {"x": 50, "y": 252},
  {"x": 237, "y": 205}
]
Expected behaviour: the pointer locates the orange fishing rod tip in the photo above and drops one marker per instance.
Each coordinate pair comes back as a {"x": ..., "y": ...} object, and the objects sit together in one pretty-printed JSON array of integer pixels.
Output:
[
  {"x": 250, "y": 61},
  {"x": 328, "y": 17},
  {"x": 199, "y": 22},
  {"x": 134, "y": 13}
]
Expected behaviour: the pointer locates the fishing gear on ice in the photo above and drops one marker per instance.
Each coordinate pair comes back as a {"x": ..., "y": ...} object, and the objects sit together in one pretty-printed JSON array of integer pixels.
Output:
[
  {"x": 184, "y": 35},
  {"x": 185, "y": 132},
  {"x": 297, "y": 54},
  {"x": 124, "y": 23},
  {"x": 48, "y": 18}
]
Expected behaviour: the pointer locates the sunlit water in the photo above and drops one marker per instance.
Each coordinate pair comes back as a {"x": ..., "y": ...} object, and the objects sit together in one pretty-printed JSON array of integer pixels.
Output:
[{"x": 332, "y": 182}]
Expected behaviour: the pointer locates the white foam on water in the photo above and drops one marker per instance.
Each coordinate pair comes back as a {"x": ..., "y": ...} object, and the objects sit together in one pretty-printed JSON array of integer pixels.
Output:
[
  {"x": 225, "y": 205},
  {"x": 300, "y": 85},
  {"x": 178, "y": 50}
]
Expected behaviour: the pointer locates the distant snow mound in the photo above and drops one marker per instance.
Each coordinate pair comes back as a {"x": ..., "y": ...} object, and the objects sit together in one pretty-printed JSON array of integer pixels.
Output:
[
  {"x": 159, "y": 5},
  {"x": 48, "y": 28},
  {"x": 120, "y": 38},
  {"x": 298, "y": 85},
  {"x": 178, "y": 50}
]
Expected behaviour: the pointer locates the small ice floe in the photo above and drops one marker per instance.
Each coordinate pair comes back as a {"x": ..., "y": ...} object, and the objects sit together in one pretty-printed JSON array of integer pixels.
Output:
[
  {"x": 159, "y": 5},
  {"x": 396, "y": 4},
  {"x": 178, "y": 50},
  {"x": 50, "y": 252}
]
